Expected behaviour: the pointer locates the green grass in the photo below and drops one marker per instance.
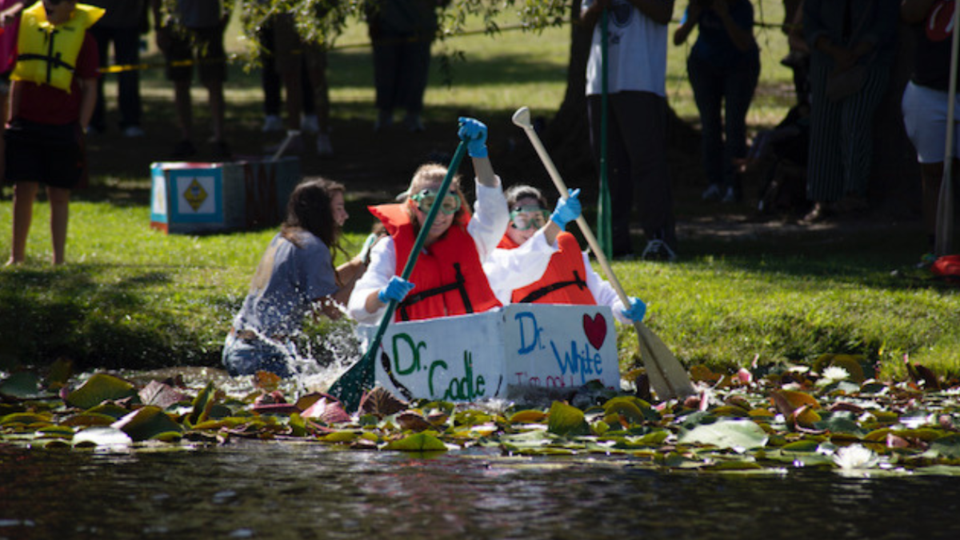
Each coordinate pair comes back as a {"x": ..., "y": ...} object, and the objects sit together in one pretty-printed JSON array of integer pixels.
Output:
[{"x": 137, "y": 298}]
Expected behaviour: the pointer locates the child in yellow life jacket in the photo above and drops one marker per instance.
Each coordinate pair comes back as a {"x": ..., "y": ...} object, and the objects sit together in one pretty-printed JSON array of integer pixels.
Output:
[
  {"x": 569, "y": 278},
  {"x": 448, "y": 278},
  {"x": 52, "y": 97}
]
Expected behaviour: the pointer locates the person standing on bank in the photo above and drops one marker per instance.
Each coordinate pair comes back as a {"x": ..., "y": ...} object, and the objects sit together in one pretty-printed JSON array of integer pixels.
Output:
[
  {"x": 295, "y": 277},
  {"x": 402, "y": 32},
  {"x": 52, "y": 95},
  {"x": 448, "y": 276},
  {"x": 194, "y": 34},
  {"x": 926, "y": 100},
  {"x": 637, "y": 118},
  {"x": 121, "y": 24},
  {"x": 723, "y": 66},
  {"x": 852, "y": 49}
]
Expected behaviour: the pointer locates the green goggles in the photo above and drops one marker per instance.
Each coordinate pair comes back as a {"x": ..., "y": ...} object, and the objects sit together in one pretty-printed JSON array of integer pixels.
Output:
[
  {"x": 426, "y": 198},
  {"x": 528, "y": 217}
]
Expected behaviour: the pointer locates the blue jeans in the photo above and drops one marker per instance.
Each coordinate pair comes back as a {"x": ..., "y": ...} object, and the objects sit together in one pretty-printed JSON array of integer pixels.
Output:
[
  {"x": 246, "y": 357},
  {"x": 719, "y": 90}
]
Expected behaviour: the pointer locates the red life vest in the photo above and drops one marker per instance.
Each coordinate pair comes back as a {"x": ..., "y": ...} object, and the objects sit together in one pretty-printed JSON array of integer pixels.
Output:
[
  {"x": 564, "y": 281},
  {"x": 448, "y": 275}
]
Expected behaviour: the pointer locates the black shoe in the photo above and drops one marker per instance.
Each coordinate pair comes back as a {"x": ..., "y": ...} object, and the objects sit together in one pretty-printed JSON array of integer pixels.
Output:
[
  {"x": 183, "y": 149},
  {"x": 658, "y": 250}
]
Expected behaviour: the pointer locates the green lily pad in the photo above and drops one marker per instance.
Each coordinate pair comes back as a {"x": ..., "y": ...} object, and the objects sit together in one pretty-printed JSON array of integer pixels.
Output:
[
  {"x": 948, "y": 446},
  {"x": 99, "y": 388},
  {"x": 742, "y": 434},
  {"x": 420, "y": 442},
  {"x": 25, "y": 419},
  {"x": 23, "y": 384},
  {"x": 567, "y": 420},
  {"x": 146, "y": 423}
]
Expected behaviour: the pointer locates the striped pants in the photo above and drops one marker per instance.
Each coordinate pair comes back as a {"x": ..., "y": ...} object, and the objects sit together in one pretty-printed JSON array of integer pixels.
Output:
[{"x": 841, "y": 135}]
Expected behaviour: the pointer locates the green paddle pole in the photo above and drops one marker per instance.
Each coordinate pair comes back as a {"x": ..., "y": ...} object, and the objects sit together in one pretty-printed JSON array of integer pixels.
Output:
[
  {"x": 350, "y": 386},
  {"x": 604, "y": 210}
]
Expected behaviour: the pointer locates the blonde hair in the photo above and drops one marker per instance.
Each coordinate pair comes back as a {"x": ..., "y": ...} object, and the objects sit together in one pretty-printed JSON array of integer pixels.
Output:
[{"x": 430, "y": 174}]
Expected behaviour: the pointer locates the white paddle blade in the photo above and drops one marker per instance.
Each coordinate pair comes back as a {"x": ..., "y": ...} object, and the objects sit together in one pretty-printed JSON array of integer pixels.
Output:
[{"x": 521, "y": 118}]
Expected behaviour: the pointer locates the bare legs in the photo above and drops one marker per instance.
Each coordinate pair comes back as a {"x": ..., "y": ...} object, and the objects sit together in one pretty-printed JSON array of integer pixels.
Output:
[{"x": 24, "y": 194}]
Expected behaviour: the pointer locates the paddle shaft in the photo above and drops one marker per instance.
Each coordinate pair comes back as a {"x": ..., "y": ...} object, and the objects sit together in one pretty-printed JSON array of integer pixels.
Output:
[
  {"x": 346, "y": 387},
  {"x": 944, "y": 232},
  {"x": 642, "y": 331}
]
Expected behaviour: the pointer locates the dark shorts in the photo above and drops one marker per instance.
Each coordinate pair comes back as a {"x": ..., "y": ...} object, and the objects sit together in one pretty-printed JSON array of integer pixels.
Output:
[
  {"x": 51, "y": 154},
  {"x": 207, "y": 45}
]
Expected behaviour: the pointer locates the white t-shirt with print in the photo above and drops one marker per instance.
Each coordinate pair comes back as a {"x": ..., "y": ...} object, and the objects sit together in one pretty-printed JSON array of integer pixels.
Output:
[{"x": 636, "y": 52}]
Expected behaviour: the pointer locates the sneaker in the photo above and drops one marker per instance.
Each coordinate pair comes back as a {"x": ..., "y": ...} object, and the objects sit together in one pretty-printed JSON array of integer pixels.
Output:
[
  {"x": 272, "y": 122},
  {"x": 324, "y": 148},
  {"x": 132, "y": 132},
  {"x": 384, "y": 121},
  {"x": 413, "y": 123},
  {"x": 730, "y": 196},
  {"x": 309, "y": 123},
  {"x": 183, "y": 149},
  {"x": 712, "y": 193},
  {"x": 821, "y": 212},
  {"x": 658, "y": 250}
]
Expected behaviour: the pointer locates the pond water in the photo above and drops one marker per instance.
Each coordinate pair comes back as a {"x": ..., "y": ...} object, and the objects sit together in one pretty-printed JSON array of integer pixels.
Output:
[{"x": 304, "y": 491}]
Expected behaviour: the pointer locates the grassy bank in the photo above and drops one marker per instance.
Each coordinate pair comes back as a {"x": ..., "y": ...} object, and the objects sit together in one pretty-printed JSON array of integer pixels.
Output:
[{"x": 137, "y": 298}]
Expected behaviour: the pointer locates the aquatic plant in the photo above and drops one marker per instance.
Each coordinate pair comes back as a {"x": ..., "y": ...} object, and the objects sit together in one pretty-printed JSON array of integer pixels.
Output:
[{"x": 767, "y": 418}]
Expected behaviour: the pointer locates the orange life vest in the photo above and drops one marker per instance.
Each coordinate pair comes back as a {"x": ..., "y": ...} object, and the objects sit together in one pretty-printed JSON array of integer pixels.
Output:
[
  {"x": 564, "y": 281},
  {"x": 448, "y": 275}
]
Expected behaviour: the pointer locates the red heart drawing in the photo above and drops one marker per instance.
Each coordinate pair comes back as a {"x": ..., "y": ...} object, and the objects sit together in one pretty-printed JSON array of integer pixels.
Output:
[{"x": 595, "y": 329}]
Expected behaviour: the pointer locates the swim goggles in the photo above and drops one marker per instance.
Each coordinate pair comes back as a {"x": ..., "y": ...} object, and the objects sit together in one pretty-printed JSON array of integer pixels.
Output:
[
  {"x": 528, "y": 217},
  {"x": 426, "y": 198}
]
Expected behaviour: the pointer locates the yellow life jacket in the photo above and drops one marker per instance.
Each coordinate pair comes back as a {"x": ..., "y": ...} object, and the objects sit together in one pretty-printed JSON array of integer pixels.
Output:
[{"x": 47, "y": 53}]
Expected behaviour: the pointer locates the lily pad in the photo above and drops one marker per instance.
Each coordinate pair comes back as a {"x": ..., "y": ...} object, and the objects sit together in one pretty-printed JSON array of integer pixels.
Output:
[
  {"x": 23, "y": 384},
  {"x": 420, "y": 442},
  {"x": 99, "y": 388},
  {"x": 735, "y": 434},
  {"x": 567, "y": 420},
  {"x": 146, "y": 423}
]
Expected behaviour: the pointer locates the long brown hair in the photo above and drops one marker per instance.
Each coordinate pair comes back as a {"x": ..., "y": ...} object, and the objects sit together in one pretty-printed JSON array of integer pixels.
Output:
[{"x": 309, "y": 209}]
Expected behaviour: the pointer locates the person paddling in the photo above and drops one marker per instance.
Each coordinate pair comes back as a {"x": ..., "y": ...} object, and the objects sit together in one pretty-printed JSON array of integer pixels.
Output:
[
  {"x": 448, "y": 278},
  {"x": 569, "y": 278}
]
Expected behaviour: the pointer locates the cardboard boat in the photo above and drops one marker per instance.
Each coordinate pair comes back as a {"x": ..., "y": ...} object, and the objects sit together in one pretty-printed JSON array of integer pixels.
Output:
[{"x": 499, "y": 353}]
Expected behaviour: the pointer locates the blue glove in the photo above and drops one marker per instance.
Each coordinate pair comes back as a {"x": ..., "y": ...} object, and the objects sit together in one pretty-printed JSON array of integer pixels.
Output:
[
  {"x": 636, "y": 311},
  {"x": 474, "y": 133},
  {"x": 397, "y": 289},
  {"x": 567, "y": 209}
]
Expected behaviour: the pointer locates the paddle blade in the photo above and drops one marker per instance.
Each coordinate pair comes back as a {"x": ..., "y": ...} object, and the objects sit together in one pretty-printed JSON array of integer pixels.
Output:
[
  {"x": 350, "y": 386},
  {"x": 667, "y": 376}
]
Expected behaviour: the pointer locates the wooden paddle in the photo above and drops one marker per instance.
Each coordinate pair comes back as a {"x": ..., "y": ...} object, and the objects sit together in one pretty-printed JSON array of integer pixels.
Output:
[
  {"x": 350, "y": 386},
  {"x": 943, "y": 243},
  {"x": 668, "y": 378}
]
